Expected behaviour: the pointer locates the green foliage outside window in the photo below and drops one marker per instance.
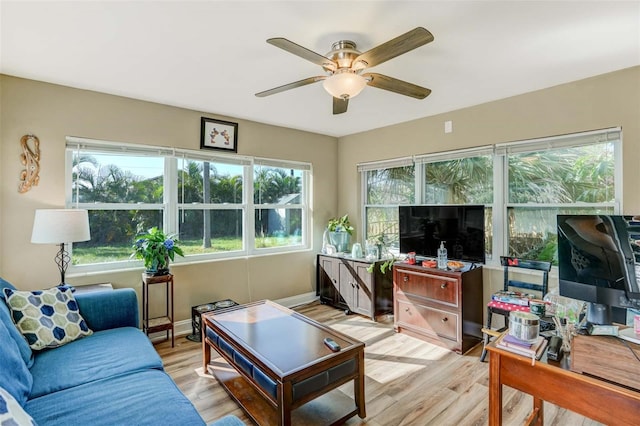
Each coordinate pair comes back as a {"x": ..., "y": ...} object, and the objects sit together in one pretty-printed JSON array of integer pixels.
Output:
[
  {"x": 557, "y": 181},
  {"x": 106, "y": 180}
]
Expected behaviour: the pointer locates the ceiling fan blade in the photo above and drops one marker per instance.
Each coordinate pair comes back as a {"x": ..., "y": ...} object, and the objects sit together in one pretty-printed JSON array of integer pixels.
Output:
[
  {"x": 397, "y": 86},
  {"x": 289, "y": 86},
  {"x": 303, "y": 52},
  {"x": 340, "y": 105},
  {"x": 402, "y": 44}
]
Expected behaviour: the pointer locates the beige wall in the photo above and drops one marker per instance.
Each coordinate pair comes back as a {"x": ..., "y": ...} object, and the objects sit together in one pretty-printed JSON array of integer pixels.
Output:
[
  {"x": 604, "y": 101},
  {"x": 52, "y": 112}
]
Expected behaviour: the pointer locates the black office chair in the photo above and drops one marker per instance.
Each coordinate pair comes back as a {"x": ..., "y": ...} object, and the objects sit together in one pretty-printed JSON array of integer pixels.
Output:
[{"x": 512, "y": 264}]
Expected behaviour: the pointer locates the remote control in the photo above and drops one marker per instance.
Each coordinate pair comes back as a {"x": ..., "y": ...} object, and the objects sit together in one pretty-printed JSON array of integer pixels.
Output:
[{"x": 331, "y": 344}]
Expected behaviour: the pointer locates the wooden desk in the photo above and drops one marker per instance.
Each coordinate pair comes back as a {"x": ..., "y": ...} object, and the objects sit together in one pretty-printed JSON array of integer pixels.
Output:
[{"x": 554, "y": 382}]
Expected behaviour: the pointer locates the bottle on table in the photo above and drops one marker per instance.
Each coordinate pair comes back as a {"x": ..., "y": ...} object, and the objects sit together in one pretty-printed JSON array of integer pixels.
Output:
[{"x": 442, "y": 256}]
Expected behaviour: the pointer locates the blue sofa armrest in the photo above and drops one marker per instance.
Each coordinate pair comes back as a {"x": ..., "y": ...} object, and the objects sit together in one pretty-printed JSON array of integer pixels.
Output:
[{"x": 103, "y": 310}]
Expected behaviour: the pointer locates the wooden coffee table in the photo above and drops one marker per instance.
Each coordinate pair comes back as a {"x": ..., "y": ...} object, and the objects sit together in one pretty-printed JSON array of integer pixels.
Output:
[{"x": 282, "y": 372}]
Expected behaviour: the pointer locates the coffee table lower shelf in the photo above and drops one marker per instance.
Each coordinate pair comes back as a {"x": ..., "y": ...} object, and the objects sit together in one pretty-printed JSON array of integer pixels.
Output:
[{"x": 327, "y": 409}]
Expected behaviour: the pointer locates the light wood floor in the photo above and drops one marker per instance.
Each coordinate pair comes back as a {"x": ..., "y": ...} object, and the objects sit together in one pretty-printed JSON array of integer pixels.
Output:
[{"x": 408, "y": 381}]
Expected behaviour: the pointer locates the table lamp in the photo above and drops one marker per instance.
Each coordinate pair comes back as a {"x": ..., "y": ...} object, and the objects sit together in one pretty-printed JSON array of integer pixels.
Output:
[{"x": 61, "y": 226}]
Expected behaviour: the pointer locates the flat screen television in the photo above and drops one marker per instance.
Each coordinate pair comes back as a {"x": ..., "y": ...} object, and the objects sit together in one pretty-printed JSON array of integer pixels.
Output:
[
  {"x": 461, "y": 227},
  {"x": 599, "y": 262}
]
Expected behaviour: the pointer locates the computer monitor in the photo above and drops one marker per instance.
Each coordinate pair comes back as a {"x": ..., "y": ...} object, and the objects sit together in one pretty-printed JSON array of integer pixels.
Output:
[{"x": 599, "y": 262}]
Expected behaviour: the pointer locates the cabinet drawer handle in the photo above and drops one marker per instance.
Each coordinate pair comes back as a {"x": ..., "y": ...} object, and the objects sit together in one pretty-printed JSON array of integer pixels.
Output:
[
  {"x": 443, "y": 285},
  {"x": 445, "y": 319},
  {"x": 405, "y": 278},
  {"x": 407, "y": 310}
]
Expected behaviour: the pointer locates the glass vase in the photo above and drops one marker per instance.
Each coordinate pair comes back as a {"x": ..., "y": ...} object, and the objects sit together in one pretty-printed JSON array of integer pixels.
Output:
[{"x": 340, "y": 240}]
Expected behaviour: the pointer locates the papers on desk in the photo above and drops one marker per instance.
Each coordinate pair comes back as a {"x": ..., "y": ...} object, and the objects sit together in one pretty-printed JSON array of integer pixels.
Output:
[
  {"x": 630, "y": 335},
  {"x": 533, "y": 350}
]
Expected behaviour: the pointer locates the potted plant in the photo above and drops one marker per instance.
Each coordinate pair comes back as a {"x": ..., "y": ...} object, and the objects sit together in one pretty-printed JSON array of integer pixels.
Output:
[
  {"x": 381, "y": 244},
  {"x": 339, "y": 231},
  {"x": 156, "y": 250}
]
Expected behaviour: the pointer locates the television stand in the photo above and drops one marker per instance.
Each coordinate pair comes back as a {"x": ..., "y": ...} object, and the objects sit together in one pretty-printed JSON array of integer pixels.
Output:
[{"x": 439, "y": 306}]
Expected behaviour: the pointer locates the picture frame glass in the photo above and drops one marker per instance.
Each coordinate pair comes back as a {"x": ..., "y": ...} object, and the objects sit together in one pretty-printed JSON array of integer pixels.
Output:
[{"x": 218, "y": 134}]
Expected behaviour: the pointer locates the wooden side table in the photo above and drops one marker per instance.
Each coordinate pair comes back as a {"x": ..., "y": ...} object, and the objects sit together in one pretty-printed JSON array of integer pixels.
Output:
[{"x": 164, "y": 322}]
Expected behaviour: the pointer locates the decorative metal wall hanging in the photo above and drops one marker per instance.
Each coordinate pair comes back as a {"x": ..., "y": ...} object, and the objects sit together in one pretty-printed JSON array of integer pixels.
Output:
[{"x": 30, "y": 158}]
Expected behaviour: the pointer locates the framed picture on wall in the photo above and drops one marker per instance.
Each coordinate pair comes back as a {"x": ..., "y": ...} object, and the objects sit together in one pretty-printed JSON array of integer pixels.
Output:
[{"x": 218, "y": 134}]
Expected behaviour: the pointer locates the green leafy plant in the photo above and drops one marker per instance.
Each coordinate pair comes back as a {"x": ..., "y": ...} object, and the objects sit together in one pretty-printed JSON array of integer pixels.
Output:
[
  {"x": 382, "y": 242},
  {"x": 156, "y": 249},
  {"x": 340, "y": 224}
]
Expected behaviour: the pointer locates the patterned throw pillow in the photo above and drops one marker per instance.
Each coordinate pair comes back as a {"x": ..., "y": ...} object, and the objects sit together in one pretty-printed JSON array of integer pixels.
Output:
[
  {"x": 47, "y": 318},
  {"x": 12, "y": 413}
]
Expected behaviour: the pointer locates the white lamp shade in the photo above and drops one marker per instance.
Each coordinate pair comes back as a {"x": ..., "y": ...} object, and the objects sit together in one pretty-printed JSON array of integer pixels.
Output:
[
  {"x": 344, "y": 85},
  {"x": 57, "y": 226}
]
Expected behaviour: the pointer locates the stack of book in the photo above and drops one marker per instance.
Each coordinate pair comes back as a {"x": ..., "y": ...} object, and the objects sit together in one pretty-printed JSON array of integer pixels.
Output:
[
  {"x": 513, "y": 297},
  {"x": 533, "y": 350}
]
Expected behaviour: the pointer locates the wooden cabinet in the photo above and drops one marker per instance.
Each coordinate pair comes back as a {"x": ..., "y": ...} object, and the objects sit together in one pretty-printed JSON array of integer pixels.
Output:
[
  {"x": 346, "y": 283},
  {"x": 441, "y": 307}
]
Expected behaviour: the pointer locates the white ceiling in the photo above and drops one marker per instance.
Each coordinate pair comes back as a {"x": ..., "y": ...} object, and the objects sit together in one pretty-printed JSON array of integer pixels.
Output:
[{"x": 212, "y": 55}]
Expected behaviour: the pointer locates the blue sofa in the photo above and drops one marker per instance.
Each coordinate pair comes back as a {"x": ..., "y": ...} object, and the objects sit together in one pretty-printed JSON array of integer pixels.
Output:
[{"x": 113, "y": 377}]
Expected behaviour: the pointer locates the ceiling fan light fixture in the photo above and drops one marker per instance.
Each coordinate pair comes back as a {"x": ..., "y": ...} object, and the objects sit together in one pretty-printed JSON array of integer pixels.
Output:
[{"x": 345, "y": 85}]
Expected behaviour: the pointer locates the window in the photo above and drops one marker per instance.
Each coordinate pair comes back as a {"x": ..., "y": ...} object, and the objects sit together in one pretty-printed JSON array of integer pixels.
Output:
[
  {"x": 208, "y": 201},
  {"x": 384, "y": 190},
  {"x": 573, "y": 174},
  {"x": 460, "y": 177},
  {"x": 211, "y": 206},
  {"x": 124, "y": 196},
  {"x": 523, "y": 186},
  {"x": 279, "y": 205}
]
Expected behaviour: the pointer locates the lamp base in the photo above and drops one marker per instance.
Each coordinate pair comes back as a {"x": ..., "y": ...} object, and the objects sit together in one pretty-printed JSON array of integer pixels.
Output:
[{"x": 62, "y": 286}]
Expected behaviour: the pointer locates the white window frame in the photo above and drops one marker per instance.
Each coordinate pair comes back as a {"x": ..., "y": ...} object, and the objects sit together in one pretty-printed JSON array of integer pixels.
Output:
[
  {"x": 502, "y": 151},
  {"x": 500, "y": 154},
  {"x": 171, "y": 208},
  {"x": 304, "y": 206},
  {"x": 363, "y": 168}
]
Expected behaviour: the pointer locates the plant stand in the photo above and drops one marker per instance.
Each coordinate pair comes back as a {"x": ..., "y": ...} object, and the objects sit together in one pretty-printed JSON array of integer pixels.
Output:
[{"x": 160, "y": 323}]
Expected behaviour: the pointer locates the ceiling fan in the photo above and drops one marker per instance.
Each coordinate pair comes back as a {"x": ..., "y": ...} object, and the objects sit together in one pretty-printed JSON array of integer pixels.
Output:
[{"x": 344, "y": 66}]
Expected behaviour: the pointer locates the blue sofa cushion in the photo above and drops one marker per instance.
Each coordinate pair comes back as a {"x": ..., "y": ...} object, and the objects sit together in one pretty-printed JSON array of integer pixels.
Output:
[
  {"x": 147, "y": 397},
  {"x": 103, "y": 310},
  {"x": 47, "y": 318},
  {"x": 14, "y": 374},
  {"x": 5, "y": 317},
  {"x": 12, "y": 413},
  {"x": 104, "y": 354}
]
